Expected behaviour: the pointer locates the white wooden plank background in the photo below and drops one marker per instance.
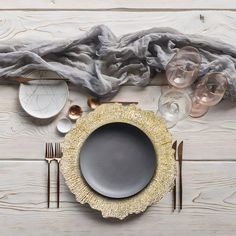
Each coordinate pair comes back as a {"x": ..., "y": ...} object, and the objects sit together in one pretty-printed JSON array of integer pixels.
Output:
[
  {"x": 209, "y": 156},
  {"x": 60, "y": 25},
  {"x": 118, "y": 4},
  {"x": 209, "y": 205}
]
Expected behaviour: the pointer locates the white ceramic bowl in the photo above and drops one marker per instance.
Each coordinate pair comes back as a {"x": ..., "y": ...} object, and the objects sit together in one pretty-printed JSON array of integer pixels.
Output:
[{"x": 64, "y": 125}]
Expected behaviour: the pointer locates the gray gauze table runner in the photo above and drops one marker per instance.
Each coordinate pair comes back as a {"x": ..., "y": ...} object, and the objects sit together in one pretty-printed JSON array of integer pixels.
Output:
[{"x": 101, "y": 62}]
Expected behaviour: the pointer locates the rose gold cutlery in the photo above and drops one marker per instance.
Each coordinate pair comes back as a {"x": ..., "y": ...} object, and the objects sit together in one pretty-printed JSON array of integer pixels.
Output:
[
  {"x": 93, "y": 103},
  {"x": 58, "y": 155},
  {"x": 180, "y": 156},
  {"x": 26, "y": 80},
  {"x": 48, "y": 157},
  {"x": 178, "y": 149},
  {"x": 174, "y": 146}
]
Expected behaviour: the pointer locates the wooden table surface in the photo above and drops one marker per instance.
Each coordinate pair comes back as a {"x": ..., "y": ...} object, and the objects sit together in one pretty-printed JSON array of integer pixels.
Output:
[{"x": 209, "y": 167}]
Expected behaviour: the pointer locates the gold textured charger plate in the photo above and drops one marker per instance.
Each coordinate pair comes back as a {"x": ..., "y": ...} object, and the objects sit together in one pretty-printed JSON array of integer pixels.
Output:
[{"x": 154, "y": 127}]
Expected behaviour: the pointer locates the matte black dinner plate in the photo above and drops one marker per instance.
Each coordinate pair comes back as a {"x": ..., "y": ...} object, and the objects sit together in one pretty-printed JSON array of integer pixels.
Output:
[{"x": 117, "y": 160}]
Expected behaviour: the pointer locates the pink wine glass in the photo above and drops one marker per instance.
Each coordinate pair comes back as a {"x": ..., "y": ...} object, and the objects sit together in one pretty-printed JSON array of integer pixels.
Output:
[
  {"x": 209, "y": 91},
  {"x": 182, "y": 70}
]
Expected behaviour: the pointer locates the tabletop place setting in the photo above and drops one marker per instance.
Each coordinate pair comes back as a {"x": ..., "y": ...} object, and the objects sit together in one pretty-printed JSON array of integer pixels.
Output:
[
  {"x": 118, "y": 118},
  {"x": 114, "y": 156}
]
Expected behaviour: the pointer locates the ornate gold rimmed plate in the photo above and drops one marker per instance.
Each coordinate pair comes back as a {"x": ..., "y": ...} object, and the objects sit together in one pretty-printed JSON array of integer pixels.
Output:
[{"x": 119, "y": 160}]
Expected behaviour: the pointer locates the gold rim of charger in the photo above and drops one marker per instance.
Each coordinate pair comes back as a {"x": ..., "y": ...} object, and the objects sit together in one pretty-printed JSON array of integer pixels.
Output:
[{"x": 154, "y": 127}]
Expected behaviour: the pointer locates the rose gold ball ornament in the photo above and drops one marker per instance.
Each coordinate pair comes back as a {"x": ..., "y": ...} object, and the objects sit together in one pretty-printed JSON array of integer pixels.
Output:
[{"x": 75, "y": 112}]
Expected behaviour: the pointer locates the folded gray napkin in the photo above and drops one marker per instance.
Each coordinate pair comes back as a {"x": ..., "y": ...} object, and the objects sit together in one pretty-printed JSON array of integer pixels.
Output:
[{"x": 101, "y": 62}]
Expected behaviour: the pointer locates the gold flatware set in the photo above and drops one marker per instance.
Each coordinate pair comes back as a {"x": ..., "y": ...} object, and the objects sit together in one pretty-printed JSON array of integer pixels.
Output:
[
  {"x": 53, "y": 153},
  {"x": 93, "y": 103},
  {"x": 178, "y": 152},
  {"x": 26, "y": 79}
]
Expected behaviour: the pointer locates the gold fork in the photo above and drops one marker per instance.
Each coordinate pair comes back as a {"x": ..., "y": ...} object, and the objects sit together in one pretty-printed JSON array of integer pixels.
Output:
[
  {"x": 49, "y": 157},
  {"x": 58, "y": 155}
]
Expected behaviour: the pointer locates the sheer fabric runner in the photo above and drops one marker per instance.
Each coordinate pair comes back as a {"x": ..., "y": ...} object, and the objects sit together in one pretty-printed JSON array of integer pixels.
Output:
[{"x": 101, "y": 62}]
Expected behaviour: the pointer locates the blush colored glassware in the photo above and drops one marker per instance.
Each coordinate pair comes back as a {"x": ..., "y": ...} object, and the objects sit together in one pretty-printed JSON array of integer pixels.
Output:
[
  {"x": 209, "y": 91},
  {"x": 182, "y": 70}
]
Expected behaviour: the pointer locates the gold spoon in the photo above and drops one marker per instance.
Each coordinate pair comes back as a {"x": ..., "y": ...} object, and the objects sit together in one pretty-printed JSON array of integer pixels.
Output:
[
  {"x": 94, "y": 102},
  {"x": 26, "y": 80}
]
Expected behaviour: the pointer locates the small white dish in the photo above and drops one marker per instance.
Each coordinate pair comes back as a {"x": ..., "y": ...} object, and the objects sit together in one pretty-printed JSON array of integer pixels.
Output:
[
  {"x": 64, "y": 125},
  {"x": 43, "y": 99}
]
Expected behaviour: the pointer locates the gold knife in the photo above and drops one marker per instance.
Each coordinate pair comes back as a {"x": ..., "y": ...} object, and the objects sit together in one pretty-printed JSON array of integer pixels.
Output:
[
  {"x": 180, "y": 156},
  {"x": 26, "y": 80},
  {"x": 174, "y": 146}
]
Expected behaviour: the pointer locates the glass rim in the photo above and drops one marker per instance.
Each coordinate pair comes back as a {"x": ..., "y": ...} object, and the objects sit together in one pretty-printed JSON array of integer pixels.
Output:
[
  {"x": 182, "y": 49},
  {"x": 206, "y": 78}
]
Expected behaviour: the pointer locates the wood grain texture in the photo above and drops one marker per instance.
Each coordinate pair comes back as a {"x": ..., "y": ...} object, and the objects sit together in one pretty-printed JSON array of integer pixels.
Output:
[
  {"x": 211, "y": 137},
  {"x": 209, "y": 205},
  {"x": 209, "y": 174},
  {"x": 117, "y": 4},
  {"x": 28, "y": 26}
]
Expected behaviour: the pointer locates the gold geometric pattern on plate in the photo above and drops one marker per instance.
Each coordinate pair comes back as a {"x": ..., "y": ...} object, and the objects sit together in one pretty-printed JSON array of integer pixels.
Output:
[{"x": 153, "y": 126}]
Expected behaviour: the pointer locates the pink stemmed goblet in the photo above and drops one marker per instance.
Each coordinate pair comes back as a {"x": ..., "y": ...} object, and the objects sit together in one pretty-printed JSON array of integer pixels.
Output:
[
  {"x": 182, "y": 70},
  {"x": 209, "y": 91}
]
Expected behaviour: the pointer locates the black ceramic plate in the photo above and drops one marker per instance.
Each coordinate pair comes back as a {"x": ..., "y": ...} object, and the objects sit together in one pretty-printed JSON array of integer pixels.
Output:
[{"x": 117, "y": 160}]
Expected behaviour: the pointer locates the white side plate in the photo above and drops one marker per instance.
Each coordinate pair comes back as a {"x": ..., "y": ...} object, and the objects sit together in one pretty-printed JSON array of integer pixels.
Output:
[{"x": 43, "y": 99}]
